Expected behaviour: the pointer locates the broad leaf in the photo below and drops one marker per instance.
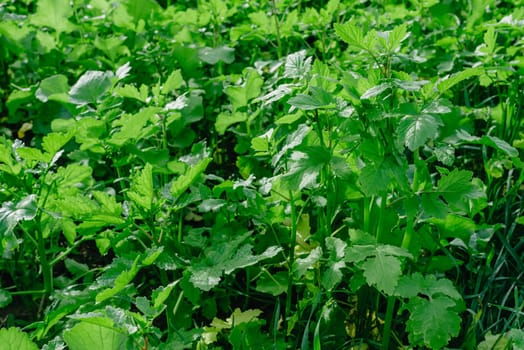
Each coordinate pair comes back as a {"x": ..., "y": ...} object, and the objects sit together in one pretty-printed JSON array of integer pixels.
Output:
[
  {"x": 432, "y": 322},
  {"x": 415, "y": 130},
  {"x": 53, "y": 88},
  {"x": 54, "y": 14},
  {"x": 214, "y": 55},
  {"x": 319, "y": 98},
  {"x": 14, "y": 339},
  {"x": 456, "y": 187},
  {"x": 225, "y": 120},
  {"x": 90, "y": 87},
  {"x": 88, "y": 336},
  {"x": 383, "y": 272},
  {"x": 274, "y": 283}
]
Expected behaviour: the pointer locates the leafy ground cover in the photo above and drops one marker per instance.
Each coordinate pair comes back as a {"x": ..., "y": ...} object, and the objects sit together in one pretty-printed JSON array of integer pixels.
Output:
[{"x": 261, "y": 174}]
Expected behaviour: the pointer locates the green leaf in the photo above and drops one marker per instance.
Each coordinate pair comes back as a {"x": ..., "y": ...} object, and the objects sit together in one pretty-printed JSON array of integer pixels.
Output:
[
  {"x": 14, "y": 339},
  {"x": 214, "y": 55},
  {"x": 274, "y": 284},
  {"x": 5, "y": 298},
  {"x": 131, "y": 91},
  {"x": 457, "y": 186},
  {"x": 375, "y": 91},
  {"x": 305, "y": 166},
  {"x": 297, "y": 65},
  {"x": 182, "y": 183},
  {"x": 161, "y": 294},
  {"x": 415, "y": 130},
  {"x": 351, "y": 34},
  {"x": 318, "y": 99},
  {"x": 383, "y": 272},
  {"x": 132, "y": 126},
  {"x": 10, "y": 215},
  {"x": 429, "y": 285},
  {"x": 432, "y": 322},
  {"x": 241, "y": 95},
  {"x": 120, "y": 282},
  {"x": 448, "y": 82},
  {"x": 54, "y": 14},
  {"x": 224, "y": 259},
  {"x": 373, "y": 179},
  {"x": 53, "y": 88},
  {"x": 90, "y": 87},
  {"x": 174, "y": 82},
  {"x": 54, "y": 142},
  {"x": 225, "y": 120},
  {"x": 301, "y": 265},
  {"x": 142, "y": 190},
  {"x": 88, "y": 336}
]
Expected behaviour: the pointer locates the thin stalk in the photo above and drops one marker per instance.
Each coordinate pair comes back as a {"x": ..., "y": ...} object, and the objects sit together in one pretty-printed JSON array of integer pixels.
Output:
[
  {"x": 292, "y": 244},
  {"x": 277, "y": 28}
]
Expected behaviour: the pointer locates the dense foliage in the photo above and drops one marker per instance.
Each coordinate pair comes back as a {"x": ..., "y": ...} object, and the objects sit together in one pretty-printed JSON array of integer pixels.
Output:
[{"x": 261, "y": 174}]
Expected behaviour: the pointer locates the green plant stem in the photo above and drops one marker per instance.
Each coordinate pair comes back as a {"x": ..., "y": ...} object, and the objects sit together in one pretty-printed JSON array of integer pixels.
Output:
[
  {"x": 277, "y": 28},
  {"x": 292, "y": 244},
  {"x": 47, "y": 269},
  {"x": 380, "y": 226},
  {"x": 386, "y": 336}
]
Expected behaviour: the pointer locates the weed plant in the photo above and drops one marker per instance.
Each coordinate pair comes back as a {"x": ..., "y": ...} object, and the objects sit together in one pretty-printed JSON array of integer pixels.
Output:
[{"x": 270, "y": 174}]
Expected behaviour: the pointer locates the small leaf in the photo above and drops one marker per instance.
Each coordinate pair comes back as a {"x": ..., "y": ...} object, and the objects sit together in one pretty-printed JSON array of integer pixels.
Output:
[
  {"x": 5, "y": 298},
  {"x": 174, "y": 82},
  {"x": 142, "y": 190},
  {"x": 120, "y": 282},
  {"x": 351, "y": 34},
  {"x": 457, "y": 186},
  {"x": 297, "y": 65}
]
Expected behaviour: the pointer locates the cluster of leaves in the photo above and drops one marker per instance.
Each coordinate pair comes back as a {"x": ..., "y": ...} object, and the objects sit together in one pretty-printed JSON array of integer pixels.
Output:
[{"x": 261, "y": 174}]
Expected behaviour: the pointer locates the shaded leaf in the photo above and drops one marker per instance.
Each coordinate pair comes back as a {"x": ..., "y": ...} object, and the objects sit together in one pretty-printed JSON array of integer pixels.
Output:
[
  {"x": 274, "y": 284},
  {"x": 432, "y": 322},
  {"x": 214, "y": 55}
]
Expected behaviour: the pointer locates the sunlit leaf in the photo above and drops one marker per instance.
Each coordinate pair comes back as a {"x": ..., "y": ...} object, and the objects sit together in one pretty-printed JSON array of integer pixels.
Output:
[
  {"x": 88, "y": 336},
  {"x": 54, "y": 14},
  {"x": 90, "y": 87},
  {"x": 14, "y": 339}
]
